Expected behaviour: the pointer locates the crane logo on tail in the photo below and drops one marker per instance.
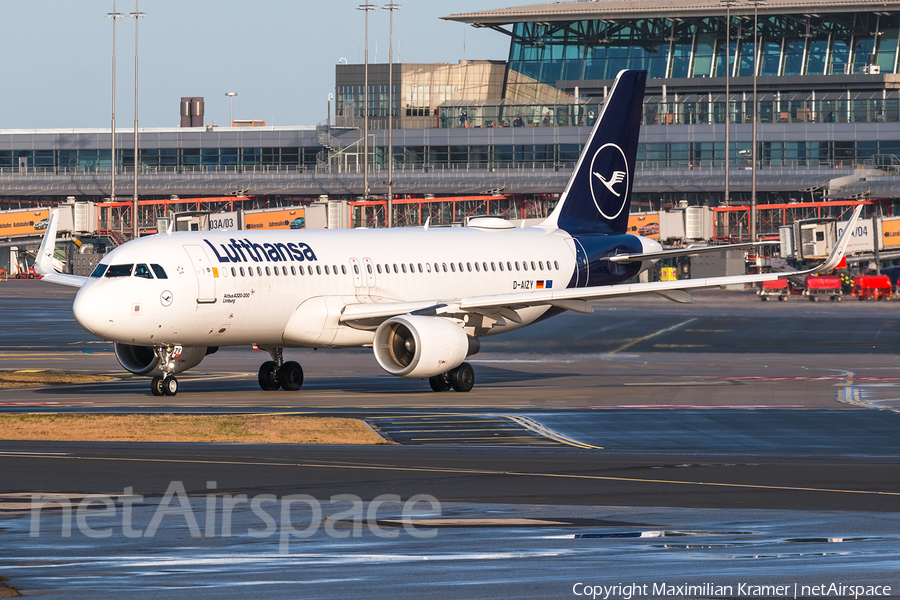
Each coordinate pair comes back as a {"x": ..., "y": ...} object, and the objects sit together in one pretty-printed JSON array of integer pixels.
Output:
[
  {"x": 617, "y": 177},
  {"x": 610, "y": 169}
]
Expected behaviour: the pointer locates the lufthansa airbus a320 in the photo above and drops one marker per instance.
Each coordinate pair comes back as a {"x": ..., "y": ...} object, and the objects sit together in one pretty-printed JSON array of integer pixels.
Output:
[{"x": 421, "y": 298}]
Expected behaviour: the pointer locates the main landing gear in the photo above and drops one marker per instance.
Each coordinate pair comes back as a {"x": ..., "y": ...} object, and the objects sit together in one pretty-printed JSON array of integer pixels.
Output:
[
  {"x": 166, "y": 385},
  {"x": 276, "y": 373},
  {"x": 460, "y": 379}
]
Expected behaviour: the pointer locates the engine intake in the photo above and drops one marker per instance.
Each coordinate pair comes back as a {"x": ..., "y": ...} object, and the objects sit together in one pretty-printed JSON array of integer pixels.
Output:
[
  {"x": 418, "y": 346},
  {"x": 141, "y": 360}
]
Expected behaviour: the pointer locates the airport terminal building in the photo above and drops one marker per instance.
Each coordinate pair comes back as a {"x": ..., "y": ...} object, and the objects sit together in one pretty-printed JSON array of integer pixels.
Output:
[{"x": 828, "y": 112}]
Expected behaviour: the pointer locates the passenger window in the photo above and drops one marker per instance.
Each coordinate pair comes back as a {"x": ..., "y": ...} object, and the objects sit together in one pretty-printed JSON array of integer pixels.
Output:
[
  {"x": 484, "y": 265},
  {"x": 524, "y": 265},
  {"x": 344, "y": 269},
  {"x": 300, "y": 270},
  {"x": 556, "y": 264},
  {"x": 160, "y": 272},
  {"x": 119, "y": 271},
  {"x": 476, "y": 267},
  {"x": 493, "y": 267},
  {"x": 501, "y": 266},
  {"x": 334, "y": 269},
  {"x": 428, "y": 267},
  {"x": 268, "y": 273},
  {"x": 517, "y": 265},
  {"x": 541, "y": 265},
  {"x": 437, "y": 269},
  {"x": 242, "y": 271},
  {"x": 275, "y": 269},
  {"x": 356, "y": 269},
  {"x": 395, "y": 268},
  {"x": 143, "y": 271},
  {"x": 453, "y": 267},
  {"x": 318, "y": 270},
  {"x": 284, "y": 271},
  {"x": 460, "y": 267},
  {"x": 420, "y": 268},
  {"x": 99, "y": 271},
  {"x": 508, "y": 266},
  {"x": 327, "y": 272},
  {"x": 468, "y": 267},
  {"x": 378, "y": 267},
  {"x": 293, "y": 270},
  {"x": 259, "y": 271},
  {"x": 369, "y": 269},
  {"x": 233, "y": 272},
  {"x": 445, "y": 267},
  {"x": 403, "y": 266}
]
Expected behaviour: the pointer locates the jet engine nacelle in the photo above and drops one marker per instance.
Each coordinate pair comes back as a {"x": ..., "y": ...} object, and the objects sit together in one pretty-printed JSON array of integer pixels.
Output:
[
  {"x": 418, "y": 346},
  {"x": 141, "y": 360}
]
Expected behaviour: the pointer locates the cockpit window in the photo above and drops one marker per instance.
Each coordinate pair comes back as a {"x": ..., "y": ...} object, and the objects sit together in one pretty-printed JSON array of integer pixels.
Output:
[
  {"x": 119, "y": 271},
  {"x": 143, "y": 271},
  {"x": 99, "y": 271},
  {"x": 160, "y": 272}
]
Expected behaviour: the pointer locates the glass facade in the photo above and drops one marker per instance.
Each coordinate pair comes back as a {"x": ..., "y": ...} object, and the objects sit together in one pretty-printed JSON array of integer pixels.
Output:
[
  {"x": 161, "y": 159},
  {"x": 541, "y": 54}
]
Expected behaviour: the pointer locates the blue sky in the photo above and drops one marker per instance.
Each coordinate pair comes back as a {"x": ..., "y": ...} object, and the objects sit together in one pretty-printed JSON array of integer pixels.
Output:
[{"x": 278, "y": 55}]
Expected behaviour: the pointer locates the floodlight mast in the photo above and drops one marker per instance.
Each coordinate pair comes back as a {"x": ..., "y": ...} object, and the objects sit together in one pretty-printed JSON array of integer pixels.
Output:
[
  {"x": 113, "y": 15},
  {"x": 137, "y": 15},
  {"x": 390, "y": 195}
]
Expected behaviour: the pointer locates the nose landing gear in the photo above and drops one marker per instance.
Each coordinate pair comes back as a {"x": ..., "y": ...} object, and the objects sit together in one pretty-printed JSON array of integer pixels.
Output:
[
  {"x": 276, "y": 373},
  {"x": 165, "y": 385}
]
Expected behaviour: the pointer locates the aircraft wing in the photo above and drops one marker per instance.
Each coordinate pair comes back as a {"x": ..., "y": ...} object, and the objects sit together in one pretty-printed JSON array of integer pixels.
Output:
[
  {"x": 630, "y": 258},
  {"x": 44, "y": 263},
  {"x": 577, "y": 299}
]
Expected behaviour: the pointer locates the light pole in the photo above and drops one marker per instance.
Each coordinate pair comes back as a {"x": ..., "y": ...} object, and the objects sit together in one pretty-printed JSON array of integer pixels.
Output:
[
  {"x": 231, "y": 96},
  {"x": 113, "y": 15},
  {"x": 390, "y": 197},
  {"x": 137, "y": 15},
  {"x": 728, "y": 4},
  {"x": 756, "y": 61},
  {"x": 366, "y": 7}
]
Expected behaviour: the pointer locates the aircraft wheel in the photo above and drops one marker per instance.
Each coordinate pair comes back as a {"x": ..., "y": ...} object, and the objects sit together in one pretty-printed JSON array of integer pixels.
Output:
[
  {"x": 156, "y": 386},
  {"x": 268, "y": 376},
  {"x": 462, "y": 378},
  {"x": 170, "y": 386},
  {"x": 291, "y": 376},
  {"x": 440, "y": 383}
]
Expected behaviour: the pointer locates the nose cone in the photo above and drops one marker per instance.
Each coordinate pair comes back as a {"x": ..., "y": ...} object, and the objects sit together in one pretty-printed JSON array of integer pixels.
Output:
[{"x": 93, "y": 309}]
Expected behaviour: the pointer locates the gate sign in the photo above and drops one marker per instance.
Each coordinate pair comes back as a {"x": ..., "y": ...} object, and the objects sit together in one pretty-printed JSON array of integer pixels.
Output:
[
  {"x": 890, "y": 233},
  {"x": 288, "y": 218},
  {"x": 227, "y": 221},
  {"x": 861, "y": 239}
]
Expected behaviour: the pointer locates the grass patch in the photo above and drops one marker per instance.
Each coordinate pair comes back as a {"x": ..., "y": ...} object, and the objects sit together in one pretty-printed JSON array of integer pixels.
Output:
[
  {"x": 244, "y": 429},
  {"x": 16, "y": 379}
]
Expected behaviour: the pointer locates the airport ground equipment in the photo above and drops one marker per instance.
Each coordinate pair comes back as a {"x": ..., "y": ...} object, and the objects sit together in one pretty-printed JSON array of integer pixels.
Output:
[
  {"x": 777, "y": 288},
  {"x": 822, "y": 286},
  {"x": 867, "y": 287}
]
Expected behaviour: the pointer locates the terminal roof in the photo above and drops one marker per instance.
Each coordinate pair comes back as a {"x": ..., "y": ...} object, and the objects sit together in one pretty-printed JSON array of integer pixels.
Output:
[{"x": 631, "y": 9}]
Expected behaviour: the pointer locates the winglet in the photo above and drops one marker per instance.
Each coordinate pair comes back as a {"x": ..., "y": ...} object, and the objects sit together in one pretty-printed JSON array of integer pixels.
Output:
[
  {"x": 837, "y": 253},
  {"x": 44, "y": 263}
]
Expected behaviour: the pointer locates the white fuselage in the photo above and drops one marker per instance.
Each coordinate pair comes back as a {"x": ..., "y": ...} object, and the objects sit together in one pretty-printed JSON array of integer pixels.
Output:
[{"x": 288, "y": 287}]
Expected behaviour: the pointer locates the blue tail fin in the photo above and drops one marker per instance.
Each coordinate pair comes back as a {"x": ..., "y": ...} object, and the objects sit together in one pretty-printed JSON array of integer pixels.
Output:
[{"x": 598, "y": 195}]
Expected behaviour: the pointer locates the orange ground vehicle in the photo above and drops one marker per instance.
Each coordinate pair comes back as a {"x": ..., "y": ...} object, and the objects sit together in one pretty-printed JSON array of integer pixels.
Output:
[{"x": 822, "y": 286}]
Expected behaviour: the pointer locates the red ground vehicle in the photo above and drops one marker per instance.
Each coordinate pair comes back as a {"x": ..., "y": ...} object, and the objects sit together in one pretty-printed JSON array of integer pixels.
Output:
[
  {"x": 29, "y": 274},
  {"x": 866, "y": 287},
  {"x": 777, "y": 288},
  {"x": 823, "y": 286}
]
